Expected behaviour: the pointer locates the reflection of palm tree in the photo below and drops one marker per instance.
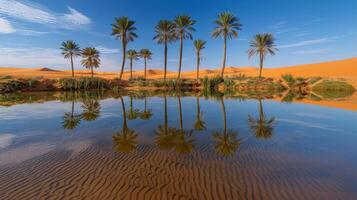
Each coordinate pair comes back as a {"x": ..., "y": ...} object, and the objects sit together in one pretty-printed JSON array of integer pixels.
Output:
[
  {"x": 164, "y": 134},
  {"x": 91, "y": 110},
  {"x": 227, "y": 143},
  {"x": 199, "y": 124},
  {"x": 262, "y": 127},
  {"x": 146, "y": 114},
  {"x": 133, "y": 113},
  {"x": 71, "y": 120},
  {"x": 126, "y": 140},
  {"x": 184, "y": 141}
]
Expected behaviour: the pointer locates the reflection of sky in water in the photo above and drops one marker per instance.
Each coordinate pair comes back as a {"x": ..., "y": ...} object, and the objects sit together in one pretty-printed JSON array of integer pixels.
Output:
[{"x": 299, "y": 128}]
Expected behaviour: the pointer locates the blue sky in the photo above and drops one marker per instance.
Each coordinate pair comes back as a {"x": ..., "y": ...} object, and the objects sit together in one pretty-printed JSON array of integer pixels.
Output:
[{"x": 307, "y": 31}]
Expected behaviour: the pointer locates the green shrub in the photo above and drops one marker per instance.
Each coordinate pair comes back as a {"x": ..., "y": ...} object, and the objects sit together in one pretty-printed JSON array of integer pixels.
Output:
[
  {"x": 333, "y": 89},
  {"x": 229, "y": 83},
  {"x": 289, "y": 79},
  {"x": 83, "y": 83}
]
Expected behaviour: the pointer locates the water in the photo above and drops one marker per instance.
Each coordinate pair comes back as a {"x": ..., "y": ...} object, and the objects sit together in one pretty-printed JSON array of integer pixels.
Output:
[{"x": 161, "y": 146}]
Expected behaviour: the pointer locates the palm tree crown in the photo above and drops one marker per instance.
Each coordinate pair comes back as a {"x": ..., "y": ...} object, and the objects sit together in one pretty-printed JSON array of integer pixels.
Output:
[
  {"x": 164, "y": 31},
  {"x": 262, "y": 45},
  {"x": 70, "y": 50},
  {"x": 124, "y": 29},
  {"x": 91, "y": 58}
]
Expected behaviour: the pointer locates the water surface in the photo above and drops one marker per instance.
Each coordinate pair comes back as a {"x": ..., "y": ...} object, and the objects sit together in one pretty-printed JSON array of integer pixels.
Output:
[{"x": 175, "y": 146}]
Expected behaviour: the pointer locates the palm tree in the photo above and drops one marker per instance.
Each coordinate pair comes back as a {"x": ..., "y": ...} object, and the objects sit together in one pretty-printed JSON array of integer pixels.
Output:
[
  {"x": 227, "y": 27},
  {"x": 146, "y": 54},
  {"x": 199, "y": 45},
  {"x": 133, "y": 113},
  {"x": 91, "y": 110},
  {"x": 91, "y": 58},
  {"x": 70, "y": 50},
  {"x": 70, "y": 119},
  {"x": 262, "y": 127},
  {"x": 199, "y": 124},
  {"x": 262, "y": 45},
  {"x": 132, "y": 55},
  {"x": 126, "y": 140},
  {"x": 227, "y": 143},
  {"x": 164, "y": 31},
  {"x": 183, "y": 27},
  {"x": 124, "y": 29},
  {"x": 146, "y": 114}
]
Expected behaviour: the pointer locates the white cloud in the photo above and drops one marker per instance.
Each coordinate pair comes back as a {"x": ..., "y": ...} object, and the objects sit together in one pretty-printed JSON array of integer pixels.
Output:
[
  {"x": 43, "y": 57},
  {"x": 279, "y": 24},
  {"x": 315, "y": 51},
  {"x": 5, "y": 26},
  {"x": 307, "y": 42},
  {"x": 34, "y": 13},
  {"x": 104, "y": 50}
]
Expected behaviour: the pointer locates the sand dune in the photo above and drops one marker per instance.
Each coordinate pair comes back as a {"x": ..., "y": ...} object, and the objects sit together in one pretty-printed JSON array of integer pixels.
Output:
[{"x": 346, "y": 69}]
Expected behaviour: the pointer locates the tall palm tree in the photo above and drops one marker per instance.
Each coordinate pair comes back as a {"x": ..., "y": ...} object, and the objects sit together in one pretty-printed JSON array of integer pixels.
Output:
[
  {"x": 124, "y": 29},
  {"x": 227, "y": 26},
  {"x": 126, "y": 140},
  {"x": 262, "y": 45},
  {"x": 147, "y": 113},
  {"x": 70, "y": 119},
  {"x": 91, "y": 110},
  {"x": 70, "y": 50},
  {"x": 199, "y": 124},
  {"x": 146, "y": 54},
  {"x": 199, "y": 46},
  {"x": 91, "y": 58},
  {"x": 132, "y": 55},
  {"x": 183, "y": 27},
  {"x": 227, "y": 143},
  {"x": 165, "y": 34},
  {"x": 262, "y": 127}
]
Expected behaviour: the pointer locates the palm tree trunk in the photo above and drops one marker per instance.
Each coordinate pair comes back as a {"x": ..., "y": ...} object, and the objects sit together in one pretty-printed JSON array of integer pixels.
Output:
[
  {"x": 198, "y": 66},
  {"x": 123, "y": 61},
  {"x": 145, "y": 68},
  {"x": 261, "y": 65},
  {"x": 180, "y": 109},
  {"x": 224, "y": 116},
  {"x": 124, "y": 113},
  {"x": 180, "y": 59},
  {"x": 165, "y": 69},
  {"x": 72, "y": 66},
  {"x": 91, "y": 68},
  {"x": 131, "y": 68},
  {"x": 224, "y": 56}
]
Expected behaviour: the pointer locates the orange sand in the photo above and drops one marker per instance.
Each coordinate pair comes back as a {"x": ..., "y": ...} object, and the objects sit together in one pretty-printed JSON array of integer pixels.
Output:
[{"x": 346, "y": 69}]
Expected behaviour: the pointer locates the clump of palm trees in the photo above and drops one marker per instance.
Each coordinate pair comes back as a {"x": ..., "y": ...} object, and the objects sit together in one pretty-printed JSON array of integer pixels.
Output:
[
  {"x": 90, "y": 55},
  {"x": 227, "y": 26}
]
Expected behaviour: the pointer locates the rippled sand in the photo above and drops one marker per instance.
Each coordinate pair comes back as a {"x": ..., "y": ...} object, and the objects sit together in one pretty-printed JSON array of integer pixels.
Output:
[{"x": 98, "y": 172}]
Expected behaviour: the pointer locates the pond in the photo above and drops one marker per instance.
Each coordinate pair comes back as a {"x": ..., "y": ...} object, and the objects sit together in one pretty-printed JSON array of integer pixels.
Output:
[{"x": 174, "y": 146}]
